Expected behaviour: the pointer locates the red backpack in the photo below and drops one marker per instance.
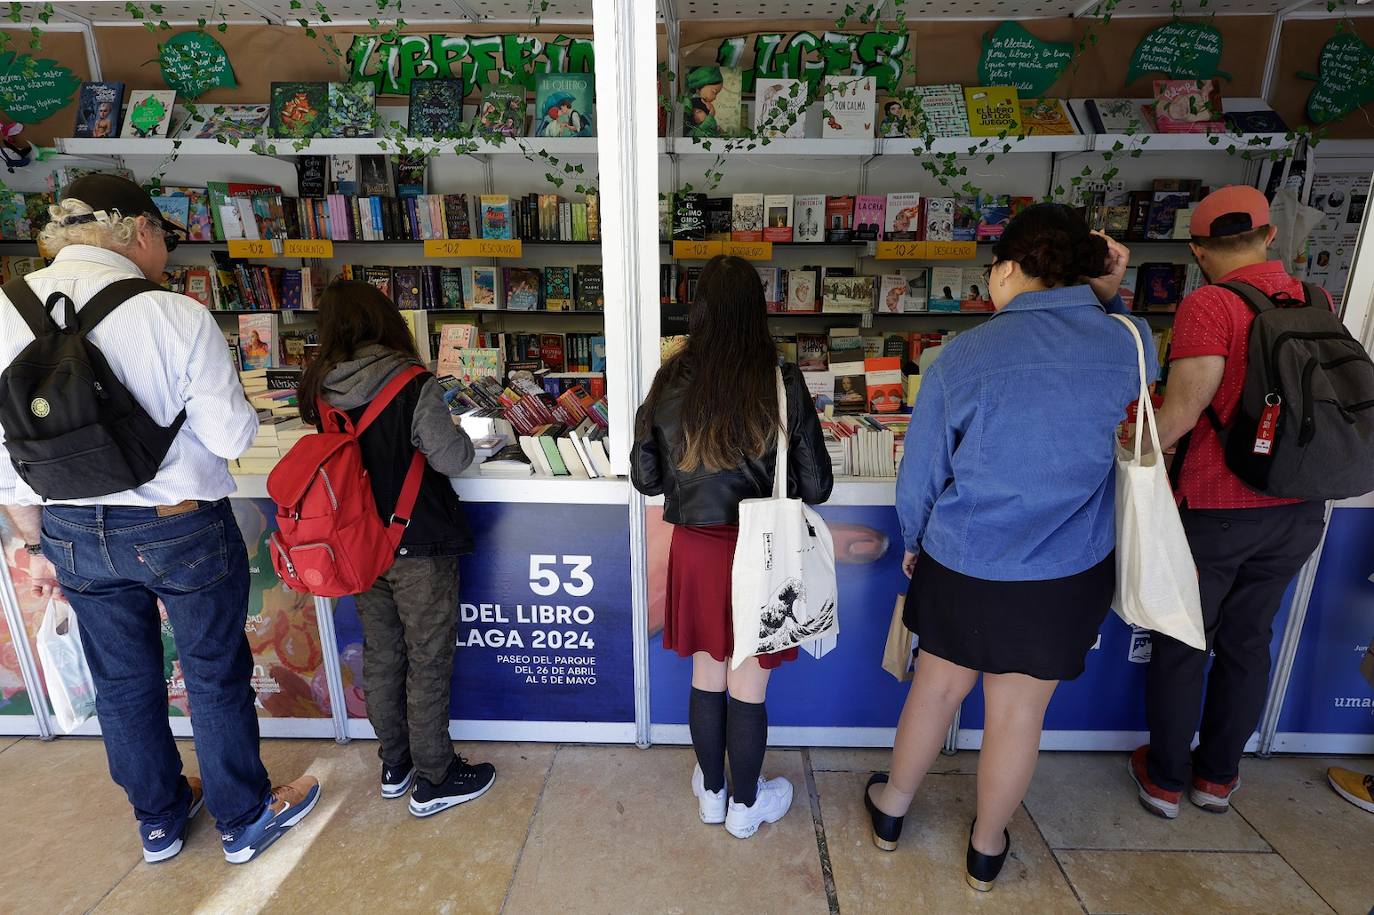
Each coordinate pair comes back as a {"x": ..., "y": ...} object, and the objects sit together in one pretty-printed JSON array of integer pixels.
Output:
[{"x": 330, "y": 539}]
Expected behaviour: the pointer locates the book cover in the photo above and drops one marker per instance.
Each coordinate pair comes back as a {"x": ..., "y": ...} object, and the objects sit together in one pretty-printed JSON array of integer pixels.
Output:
[
  {"x": 992, "y": 110},
  {"x": 1159, "y": 286},
  {"x": 813, "y": 353},
  {"x": 777, "y": 210},
  {"x": 1187, "y": 106},
  {"x": 883, "y": 380},
  {"x": 891, "y": 294},
  {"x": 299, "y": 110},
  {"x": 848, "y": 107},
  {"x": 870, "y": 215},
  {"x": 522, "y": 288},
  {"x": 232, "y": 122},
  {"x": 839, "y": 219},
  {"x": 778, "y": 107},
  {"x": 1163, "y": 208},
  {"x": 801, "y": 290},
  {"x": 942, "y": 110},
  {"x": 939, "y": 219},
  {"x": 903, "y": 219},
  {"x": 808, "y": 214},
  {"x": 588, "y": 289},
  {"x": 352, "y": 110},
  {"x": 484, "y": 288},
  {"x": 1046, "y": 117},
  {"x": 718, "y": 216},
  {"x": 774, "y": 281},
  {"x": 689, "y": 219},
  {"x": 436, "y": 108},
  {"x": 746, "y": 221},
  {"x": 1255, "y": 122},
  {"x": 994, "y": 214},
  {"x": 344, "y": 175},
  {"x": 1116, "y": 115},
  {"x": 495, "y": 220},
  {"x": 405, "y": 283},
  {"x": 714, "y": 102},
  {"x": 665, "y": 216},
  {"x": 501, "y": 112},
  {"x": 563, "y": 105},
  {"x": 946, "y": 288},
  {"x": 851, "y": 387},
  {"x": 847, "y": 294},
  {"x": 898, "y": 119},
  {"x": 975, "y": 294},
  {"x": 257, "y": 341},
  {"x": 450, "y": 287},
  {"x": 551, "y": 352},
  {"x": 917, "y": 289},
  {"x": 99, "y": 110},
  {"x": 149, "y": 114},
  {"x": 176, "y": 209},
  {"x": 558, "y": 288},
  {"x": 967, "y": 214},
  {"x": 312, "y": 176}
]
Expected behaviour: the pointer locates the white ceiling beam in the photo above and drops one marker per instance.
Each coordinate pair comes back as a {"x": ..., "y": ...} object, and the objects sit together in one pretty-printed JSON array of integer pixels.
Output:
[{"x": 272, "y": 18}]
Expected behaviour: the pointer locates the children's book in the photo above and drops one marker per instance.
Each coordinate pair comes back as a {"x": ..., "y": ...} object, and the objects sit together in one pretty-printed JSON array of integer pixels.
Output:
[
  {"x": 199, "y": 225},
  {"x": 495, "y": 216},
  {"x": 352, "y": 110},
  {"x": 1046, "y": 117},
  {"x": 501, "y": 111},
  {"x": 563, "y": 105},
  {"x": 942, "y": 110},
  {"x": 848, "y": 107},
  {"x": 232, "y": 122},
  {"x": 1187, "y": 106},
  {"x": 992, "y": 110},
  {"x": 257, "y": 341},
  {"x": 898, "y": 119},
  {"x": 174, "y": 209},
  {"x": 99, "y": 109},
  {"x": 779, "y": 107},
  {"x": 714, "y": 102},
  {"x": 149, "y": 114},
  {"x": 436, "y": 108},
  {"x": 299, "y": 110}
]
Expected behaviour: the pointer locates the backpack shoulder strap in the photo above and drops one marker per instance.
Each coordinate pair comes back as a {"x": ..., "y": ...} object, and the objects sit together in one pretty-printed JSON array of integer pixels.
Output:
[
  {"x": 99, "y": 306},
  {"x": 1258, "y": 301},
  {"x": 1315, "y": 295},
  {"x": 30, "y": 308},
  {"x": 385, "y": 396}
]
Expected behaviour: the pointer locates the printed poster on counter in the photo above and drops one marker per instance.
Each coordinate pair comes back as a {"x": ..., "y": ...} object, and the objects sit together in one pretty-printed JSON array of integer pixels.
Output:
[
  {"x": 544, "y": 630},
  {"x": 288, "y": 668}
]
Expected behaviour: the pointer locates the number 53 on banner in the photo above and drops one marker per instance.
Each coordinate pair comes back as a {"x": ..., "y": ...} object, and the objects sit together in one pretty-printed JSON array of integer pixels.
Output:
[{"x": 545, "y": 581}]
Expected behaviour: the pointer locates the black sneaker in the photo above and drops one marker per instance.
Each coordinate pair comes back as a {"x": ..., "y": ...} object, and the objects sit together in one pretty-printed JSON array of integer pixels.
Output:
[
  {"x": 397, "y": 779},
  {"x": 462, "y": 783}
]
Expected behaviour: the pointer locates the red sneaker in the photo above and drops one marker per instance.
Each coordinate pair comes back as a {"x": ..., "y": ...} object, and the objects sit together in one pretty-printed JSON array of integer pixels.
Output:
[
  {"x": 1212, "y": 796},
  {"x": 1157, "y": 800}
]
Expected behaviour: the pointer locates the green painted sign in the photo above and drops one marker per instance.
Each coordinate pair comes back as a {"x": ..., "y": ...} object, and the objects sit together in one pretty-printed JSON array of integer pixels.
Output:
[
  {"x": 193, "y": 63},
  {"x": 1013, "y": 56},
  {"x": 392, "y": 62},
  {"x": 33, "y": 90},
  {"x": 1179, "y": 50},
  {"x": 1345, "y": 79}
]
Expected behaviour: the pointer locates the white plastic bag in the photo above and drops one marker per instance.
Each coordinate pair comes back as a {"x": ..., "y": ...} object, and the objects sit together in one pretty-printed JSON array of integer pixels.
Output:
[
  {"x": 70, "y": 688},
  {"x": 783, "y": 591},
  {"x": 1156, "y": 578}
]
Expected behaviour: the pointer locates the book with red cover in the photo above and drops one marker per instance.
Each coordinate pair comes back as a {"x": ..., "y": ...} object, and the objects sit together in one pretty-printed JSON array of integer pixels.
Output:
[
  {"x": 839, "y": 219},
  {"x": 551, "y": 352}
]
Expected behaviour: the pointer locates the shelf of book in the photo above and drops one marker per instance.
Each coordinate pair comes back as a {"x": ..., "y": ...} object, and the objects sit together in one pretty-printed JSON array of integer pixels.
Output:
[
  {"x": 813, "y": 147},
  {"x": 500, "y": 312},
  {"x": 577, "y": 147},
  {"x": 475, "y": 488}
]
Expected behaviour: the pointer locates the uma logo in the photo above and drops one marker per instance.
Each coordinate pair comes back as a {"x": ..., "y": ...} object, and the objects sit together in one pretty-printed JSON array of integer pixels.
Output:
[
  {"x": 1141, "y": 646},
  {"x": 39, "y": 407},
  {"x": 1353, "y": 702}
]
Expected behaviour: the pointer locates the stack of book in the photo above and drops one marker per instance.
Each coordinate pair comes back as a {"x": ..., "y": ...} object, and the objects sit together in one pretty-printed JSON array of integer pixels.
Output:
[{"x": 276, "y": 435}]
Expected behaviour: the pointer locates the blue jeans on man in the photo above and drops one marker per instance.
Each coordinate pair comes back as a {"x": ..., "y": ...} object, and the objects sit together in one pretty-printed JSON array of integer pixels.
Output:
[{"x": 114, "y": 565}]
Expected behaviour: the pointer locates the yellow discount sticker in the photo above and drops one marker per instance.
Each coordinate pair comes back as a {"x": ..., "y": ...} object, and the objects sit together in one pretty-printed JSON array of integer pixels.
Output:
[
  {"x": 251, "y": 247},
  {"x": 474, "y": 247},
  {"x": 308, "y": 247},
  {"x": 900, "y": 250},
  {"x": 750, "y": 250},
  {"x": 951, "y": 250},
  {"x": 697, "y": 250}
]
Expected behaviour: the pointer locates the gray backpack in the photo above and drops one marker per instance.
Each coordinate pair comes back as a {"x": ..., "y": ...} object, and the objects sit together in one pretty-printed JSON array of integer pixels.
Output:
[{"x": 1304, "y": 428}]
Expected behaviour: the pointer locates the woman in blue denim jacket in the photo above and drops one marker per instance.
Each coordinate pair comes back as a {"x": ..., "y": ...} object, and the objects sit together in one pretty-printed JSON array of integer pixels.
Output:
[{"x": 1006, "y": 495}]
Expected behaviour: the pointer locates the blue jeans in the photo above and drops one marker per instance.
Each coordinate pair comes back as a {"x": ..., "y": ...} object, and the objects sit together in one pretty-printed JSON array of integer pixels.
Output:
[{"x": 114, "y": 565}]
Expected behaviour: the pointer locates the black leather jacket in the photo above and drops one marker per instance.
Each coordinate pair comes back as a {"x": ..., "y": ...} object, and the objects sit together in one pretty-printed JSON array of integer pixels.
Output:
[{"x": 704, "y": 497}]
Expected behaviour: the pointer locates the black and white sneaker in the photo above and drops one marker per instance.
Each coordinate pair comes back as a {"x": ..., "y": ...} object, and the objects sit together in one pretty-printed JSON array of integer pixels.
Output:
[
  {"x": 397, "y": 779},
  {"x": 464, "y": 782}
]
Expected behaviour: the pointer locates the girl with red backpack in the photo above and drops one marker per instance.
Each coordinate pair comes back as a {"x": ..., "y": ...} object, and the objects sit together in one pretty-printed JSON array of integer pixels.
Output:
[{"x": 410, "y": 614}]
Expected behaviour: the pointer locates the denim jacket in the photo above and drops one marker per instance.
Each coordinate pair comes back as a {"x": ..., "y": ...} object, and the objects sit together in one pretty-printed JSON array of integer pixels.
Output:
[{"x": 1009, "y": 472}]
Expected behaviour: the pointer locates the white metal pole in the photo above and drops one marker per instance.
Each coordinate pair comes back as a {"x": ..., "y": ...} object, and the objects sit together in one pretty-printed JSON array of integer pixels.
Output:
[
  {"x": 333, "y": 672},
  {"x": 28, "y": 671},
  {"x": 626, "y": 45}
]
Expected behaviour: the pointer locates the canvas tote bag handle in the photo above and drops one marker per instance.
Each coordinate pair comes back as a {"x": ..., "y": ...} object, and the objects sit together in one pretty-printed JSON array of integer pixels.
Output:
[
  {"x": 1145, "y": 409},
  {"x": 780, "y": 470}
]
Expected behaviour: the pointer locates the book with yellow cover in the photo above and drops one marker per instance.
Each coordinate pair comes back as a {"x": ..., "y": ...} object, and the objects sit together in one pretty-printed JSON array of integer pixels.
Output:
[
  {"x": 992, "y": 110},
  {"x": 1046, "y": 117}
]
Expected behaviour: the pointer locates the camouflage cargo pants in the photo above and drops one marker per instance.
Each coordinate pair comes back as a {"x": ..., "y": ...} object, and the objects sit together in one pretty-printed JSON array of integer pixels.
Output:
[{"x": 410, "y": 624}]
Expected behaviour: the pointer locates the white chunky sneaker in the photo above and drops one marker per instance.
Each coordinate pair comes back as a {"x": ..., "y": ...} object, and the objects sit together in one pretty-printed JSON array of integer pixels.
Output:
[
  {"x": 771, "y": 804},
  {"x": 711, "y": 804}
]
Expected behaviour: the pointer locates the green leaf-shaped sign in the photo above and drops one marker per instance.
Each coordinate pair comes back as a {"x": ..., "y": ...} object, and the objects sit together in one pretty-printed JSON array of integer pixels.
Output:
[
  {"x": 1014, "y": 57},
  {"x": 1345, "y": 79},
  {"x": 33, "y": 90},
  {"x": 193, "y": 63},
  {"x": 1179, "y": 50}
]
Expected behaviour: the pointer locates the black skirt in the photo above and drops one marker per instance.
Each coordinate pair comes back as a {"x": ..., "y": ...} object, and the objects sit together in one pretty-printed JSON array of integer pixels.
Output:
[{"x": 1043, "y": 629}]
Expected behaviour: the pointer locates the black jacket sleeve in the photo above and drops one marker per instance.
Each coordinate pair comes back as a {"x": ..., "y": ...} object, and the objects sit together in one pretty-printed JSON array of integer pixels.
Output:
[
  {"x": 808, "y": 464},
  {"x": 645, "y": 472}
]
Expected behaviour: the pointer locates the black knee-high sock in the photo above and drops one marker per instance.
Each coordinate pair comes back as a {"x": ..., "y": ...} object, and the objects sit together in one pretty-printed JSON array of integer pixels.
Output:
[
  {"x": 706, "y": 721},
  {"x": 746, "y": 738}
]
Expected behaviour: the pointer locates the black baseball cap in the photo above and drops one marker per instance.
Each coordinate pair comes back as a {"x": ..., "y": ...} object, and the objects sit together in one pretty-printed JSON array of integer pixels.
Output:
[{"x": 106, "y": 193}]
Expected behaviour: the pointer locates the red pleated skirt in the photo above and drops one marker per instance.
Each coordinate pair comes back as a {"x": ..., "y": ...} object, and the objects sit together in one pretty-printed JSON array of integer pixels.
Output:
[{"x": 697, "y": 616}]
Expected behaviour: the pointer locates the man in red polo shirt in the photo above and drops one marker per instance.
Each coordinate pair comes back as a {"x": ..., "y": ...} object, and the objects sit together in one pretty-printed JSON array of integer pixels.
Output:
[{"x": 1247, "y": 545}]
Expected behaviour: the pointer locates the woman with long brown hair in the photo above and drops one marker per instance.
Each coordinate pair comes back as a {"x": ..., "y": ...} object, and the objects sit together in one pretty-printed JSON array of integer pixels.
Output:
[
  {"x": 705, "y": 439},
  {"x": 410, "y": 616}
]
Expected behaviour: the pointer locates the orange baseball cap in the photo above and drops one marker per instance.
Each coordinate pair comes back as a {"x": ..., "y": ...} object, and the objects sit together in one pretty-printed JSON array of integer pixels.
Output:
[{"x": 1230, "y": 210}]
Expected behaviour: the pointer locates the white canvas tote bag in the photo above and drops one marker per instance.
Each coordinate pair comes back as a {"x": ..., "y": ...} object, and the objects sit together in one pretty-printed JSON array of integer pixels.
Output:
[
  {"x": 784, "y": 591},
  {"x": 1156, "y": 579}
]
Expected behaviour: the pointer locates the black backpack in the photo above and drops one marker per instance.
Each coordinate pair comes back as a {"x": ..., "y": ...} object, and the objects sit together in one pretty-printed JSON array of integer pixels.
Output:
[
  {"x": 73, "y": 431},
  {"x": 1304, "y": 428}
]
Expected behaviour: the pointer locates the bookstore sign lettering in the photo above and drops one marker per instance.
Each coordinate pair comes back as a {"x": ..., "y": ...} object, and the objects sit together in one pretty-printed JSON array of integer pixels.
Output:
[
  {"x": 813, "y": 56},
  {"x": 393, "y": 62},
  {"x": 1013, "y": 56},
  {"x": 1179, "y": 50},
  {"x": 1345, "y": 79}
]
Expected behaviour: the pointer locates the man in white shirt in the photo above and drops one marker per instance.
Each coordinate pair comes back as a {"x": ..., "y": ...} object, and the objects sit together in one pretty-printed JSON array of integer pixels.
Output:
[{"x": 173, "y": 539}]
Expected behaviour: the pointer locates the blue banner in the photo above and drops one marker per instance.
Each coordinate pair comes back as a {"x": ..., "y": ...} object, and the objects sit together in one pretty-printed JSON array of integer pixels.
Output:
[{"x": 545, "y": 630}]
